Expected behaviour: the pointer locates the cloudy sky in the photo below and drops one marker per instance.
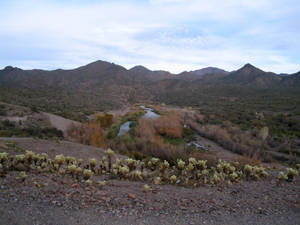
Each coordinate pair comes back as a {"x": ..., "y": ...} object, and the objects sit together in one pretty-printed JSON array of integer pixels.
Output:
[{"x": 174, "y": 35}]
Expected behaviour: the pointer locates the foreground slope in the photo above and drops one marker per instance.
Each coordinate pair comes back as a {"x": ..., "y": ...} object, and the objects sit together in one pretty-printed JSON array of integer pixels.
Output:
[{"x": 64, "y": 201}]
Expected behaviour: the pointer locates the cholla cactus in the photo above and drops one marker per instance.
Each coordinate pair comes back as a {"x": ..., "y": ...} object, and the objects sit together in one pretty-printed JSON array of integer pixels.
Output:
[
  {"x": 234, "y": 177},
  {"x": 205, "y": 172},
  {"x": 87, "y": 174},
  {"x": 248, "y": 170},
  {"x": 72, "y": 169},
  {"x": 180, "y": 164},
  {"x": 70, "y": 160},
  {"x": 109, "y": 154},
  {"x": 136, "y": 174},
  {"x": 146, "y": 188},
  {"x": 124, "y": 171},
  {"x": 131, "y": 163},
  {"x": 59, "y": 160},
  {"x": 260, "y": 171},
  {"x": 298, "y": 166},
  {"x": 117, "y": 164},
  {"x": 193, "y": 161},
  {"x": 1, "y": 170},
  {"x": 142, "y": 165},
  {"x": 155, "y": 161},
  {"x": 173, "y": 179},
  {"x": 202, "y": 164},
  {"x": 78, "y": 172},
  {"x": 101, "y": 184},
  {"x": 44, "y": 157},
  {"x": 36, "y": 158},
  {"x": 29, "y": 156},
  {"x": 189, "y": 168},
  {"x": 225, "y": 167},
  {"x": 3, "y": 157},
  {"x": 164, "y": 165},
  {"x": 92, "y": 164},
  {"x": 282, "y": 176},
  {"x": 22, "y": 176},
  {"x": 291, "y": 173},
  {"x": 20, "y": 158},
  {"x": 216, "y": 178},
  {"x": 80, "y": 161},
  {"x": 104, "y": 164},
  {"x": 89, "y": 182}
]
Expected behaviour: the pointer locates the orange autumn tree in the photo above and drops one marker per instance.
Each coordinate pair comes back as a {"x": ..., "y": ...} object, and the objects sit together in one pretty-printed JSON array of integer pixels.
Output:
[{"x": 90, "y": 133}]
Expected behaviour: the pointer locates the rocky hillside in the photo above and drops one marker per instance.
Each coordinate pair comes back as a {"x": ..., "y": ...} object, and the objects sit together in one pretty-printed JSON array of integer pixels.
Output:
[{"x": 103, "y": 86}]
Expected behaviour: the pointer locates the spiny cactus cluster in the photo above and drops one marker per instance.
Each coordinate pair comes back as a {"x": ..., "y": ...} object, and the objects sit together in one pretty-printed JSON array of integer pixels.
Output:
[
  {"x": 289, "y": 175},
  {"x": 191, "y": 172}
]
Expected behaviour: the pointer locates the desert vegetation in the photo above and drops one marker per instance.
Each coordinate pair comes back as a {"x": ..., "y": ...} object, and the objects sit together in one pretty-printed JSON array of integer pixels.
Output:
[{"x": 152, "y": 171}]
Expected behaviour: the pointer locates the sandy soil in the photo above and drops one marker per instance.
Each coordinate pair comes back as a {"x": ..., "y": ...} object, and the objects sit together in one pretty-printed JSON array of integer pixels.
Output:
[
  {"x": 66, "y": 201},
  {"x": 59, "y": 122}
]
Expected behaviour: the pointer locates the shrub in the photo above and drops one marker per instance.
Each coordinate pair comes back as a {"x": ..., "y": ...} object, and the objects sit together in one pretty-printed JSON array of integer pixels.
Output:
[{"x": 105, "y": 120}]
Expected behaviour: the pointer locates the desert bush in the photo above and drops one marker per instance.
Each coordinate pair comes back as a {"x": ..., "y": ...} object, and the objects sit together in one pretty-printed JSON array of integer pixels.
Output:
[
  {"x": 89, "y": 133},
  {"x": 105, "y": 120}
]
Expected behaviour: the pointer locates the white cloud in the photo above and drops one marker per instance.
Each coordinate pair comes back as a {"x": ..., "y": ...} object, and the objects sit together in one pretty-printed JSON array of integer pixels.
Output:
[{"x": 173, "y": 35}]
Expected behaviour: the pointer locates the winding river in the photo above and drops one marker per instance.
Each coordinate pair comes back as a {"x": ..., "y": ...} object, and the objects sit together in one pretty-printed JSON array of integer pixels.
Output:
[{"x": 125, "y": 127}]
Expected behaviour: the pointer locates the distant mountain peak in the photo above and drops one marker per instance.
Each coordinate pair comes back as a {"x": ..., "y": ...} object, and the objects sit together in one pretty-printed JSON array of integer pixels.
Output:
[
  {"x": 208, "y": 70},
  {"x": 250, "y": 66},
  {"x": 139, "y": 68},
  {"x": 9, "y": 68}
]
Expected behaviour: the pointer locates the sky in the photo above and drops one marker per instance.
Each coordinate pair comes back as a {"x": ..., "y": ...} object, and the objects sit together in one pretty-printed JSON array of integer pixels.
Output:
[{"x": 173, "y": 35}]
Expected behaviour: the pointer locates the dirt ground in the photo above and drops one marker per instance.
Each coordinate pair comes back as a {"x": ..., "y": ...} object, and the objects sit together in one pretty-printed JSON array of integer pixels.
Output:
[{"x": 66, "y": 201}]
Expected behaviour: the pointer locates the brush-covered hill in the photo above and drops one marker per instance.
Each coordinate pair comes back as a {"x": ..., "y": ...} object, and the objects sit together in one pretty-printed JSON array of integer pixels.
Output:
[{"x": 102, "y": 86}]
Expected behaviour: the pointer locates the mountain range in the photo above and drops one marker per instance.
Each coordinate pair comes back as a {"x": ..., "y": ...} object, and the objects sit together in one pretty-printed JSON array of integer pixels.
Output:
[{"x": 102, "y": 85}]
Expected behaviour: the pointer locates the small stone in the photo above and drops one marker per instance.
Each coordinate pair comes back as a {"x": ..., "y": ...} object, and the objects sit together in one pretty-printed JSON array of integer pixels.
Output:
[
  {"x": 74, "y": 185},
  {"x": 132, "y": 196}
]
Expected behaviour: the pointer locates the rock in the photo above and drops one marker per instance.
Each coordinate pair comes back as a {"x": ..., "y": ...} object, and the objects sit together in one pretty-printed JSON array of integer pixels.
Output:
[
  {"x": 74, "y": 185},
  {"x": 132, "y": 196}
]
